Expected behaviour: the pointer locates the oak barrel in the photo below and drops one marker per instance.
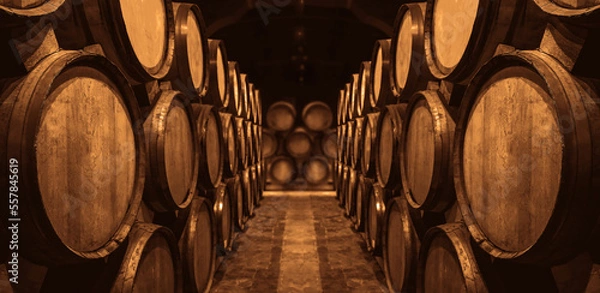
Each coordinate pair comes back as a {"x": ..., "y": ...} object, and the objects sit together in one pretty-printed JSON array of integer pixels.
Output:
[
  {"x": 173, "y": 154},
  {"x": 363, "y": 190},
  {"x": 353, "y": 97},
  {"x": 340, "y": 105},
  {"x": 281, "y": 116},
  {"x": 249, "y": 202},
  {"x": 299, "y": 143},
  {"x": 426, "y": 153},
  {"x": 259, "y": 111},
  {"x": 210, "y": 141},
  {"x": 349, "y": 143},
  {"x": 364, "y": 89},
  {"x": 283, "y": 169},
  {"x": 375, "y": 217},
  {"x": 350, "y": 193},
  {"x": 317, "y": 116},
  {"x": 245, "y": 95},
  {"x": 230, "y": 164},
  {"x": 369, "y": 151},
  {"x": 526, "y": 151},
  {"x": 329, "y": 145},
  {"x": 234, "y": 188},
  {"x": 80, "y": 193},
  {"x": 190, "y": 62},
  {"x": 28, "y": 8},
  {"x": 585, "y": 13},
  {"x": 152, "y": 262},
  {"x": 316, "y": 170},
  {"x": 381, "y": 75},
  {"x": 250, "y": 143},
  {"x": 235, "y": 88},
  {"x": 222, "y": 208},
  {"x": 357, "y": 142},
  {"x": 218, "y": 66},
  {"x": 240, "y": 127},
  {"x": 270, "y": 143},
  {"x": 387, "y": 144}
]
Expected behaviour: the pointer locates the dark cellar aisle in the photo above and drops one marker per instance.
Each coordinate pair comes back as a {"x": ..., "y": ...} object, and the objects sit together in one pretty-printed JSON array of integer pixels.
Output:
[{"x": 299, "y": 243}]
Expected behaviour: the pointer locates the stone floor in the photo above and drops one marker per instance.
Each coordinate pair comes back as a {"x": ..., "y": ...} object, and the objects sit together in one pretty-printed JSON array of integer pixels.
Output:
[{"x": 299, "y": 243}]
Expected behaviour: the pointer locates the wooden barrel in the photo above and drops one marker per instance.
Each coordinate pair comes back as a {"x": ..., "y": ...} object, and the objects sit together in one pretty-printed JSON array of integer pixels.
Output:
[
  {"x": 345, "y": 103},
  {"x": 340, "y": 107},
  {"x": 350, "y": 132},
  {"x": 350, "y": 194},
  {"x": 152, "y": 262},
  {"x": 329, "y": 145},
  {"x": 190, "y": 62},
  {"x": 447, "y": 262},
  {"x": 281, "y": 116},
  {"x": 387, "y": 145},
  {"x": 381, "y": 75},
  {"x": 82, "y": 191},
  {"x": 210, "y": 140},
  {"x": 250, "y": 143},
  {"x": 235, "y": 88},
  {"x": 345, "y": 178},
  {"x": 461, "y": 37},
  {"x": 251, "y": 107},
  {"x": 255, "y": 186},
  {"x": 531, "y": 158},
  {"x": 218, "y": 66},
  {"x": 234, "y": 188},
  {"x": 249, "y": 202},
  {"x": 369, "y": 152},
  {"x": 363, "y": 190},
  {"x": 223, "y": 210},
  {"x": 580, "y": 12},
  {"x": 31, "y": 8},
  {"x": 270, "y": 144},
  {"x": 364, "y": 89},
  {"x": 299, "y": 143},
  {"x": 283, "y": 170},
  {"x": 257, "y": 144},
  {"x": 173, "y": 155},
  {"x": 357, "y": 142},
  {"x": 198, "y": 246},
  {"x": 242, "y": 141},
  {"x": 409, "y": 69},
  {"x": 342, "y": 138},
  {"x": 353, "y": 97},
  {"x": 230, "y": 164},
  {"x": 426, "y": 151},
  {"x": 400, "y": 246},
  {"x": 260, "y": 180},
  {"x": 375, "y": 218},
  {"x": 259, "y": 111},
  {"x": 316, "y": 170},
  {"x": 317, "y": 116}
]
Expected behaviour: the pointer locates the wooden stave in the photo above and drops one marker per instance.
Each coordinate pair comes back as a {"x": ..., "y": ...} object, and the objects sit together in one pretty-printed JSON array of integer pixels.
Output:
[
  {"x": 256, "y": 132},
  {"x": 235, "y": 88},
  {"x": 350, "y": 126},
  {"x": 385, "y": 96},
  {"x": 140, "y": 235},
  {"x": 541, "y": 252},
  {"x": 357, "y": 143},
  {"x": 309, "y": 107},
  {"x": 255, "y": 185},
  {"x": 248, "y": 193},
  {"x": 364, "y": 89},
  {"x": 344, "y": 185},
  {"x": 230, "y": 163},
  {"x": 234, "y": 187},
  {"x": 368, "y": 159},
  {"x": 259, "y": 109},
  {"x": 364, "y": 188},
  {"x": 222, "y": 209},
  {"x": 352, "y": 98},
  {"x": 341, "y": 101},
  {"x": 251, "y": 107},
  {"x": 460, "y": 239},
  {"x": 46, "y": 71},
  {"x": 180, "y": 73},
  {"x": 396, "y": 113},
  {"x": 441, "y": 192},
  {"x": 418, "y": 74},
  {"x": 350, "y": 193},
  {"x": 346, "y": 103},
  {"x": 288, "y": 107},
  {"x": 241, "y": 138},
  {"x": 213, "y": 95},
  {"x": 156, "y": 192},
  {"x": 244, "y": 103},
  {"x": 250, "y": 151},
  {"x": 373, "y": 239},
  {"x": 202, "y": 114},
  {"x": 342, "y": 138}
]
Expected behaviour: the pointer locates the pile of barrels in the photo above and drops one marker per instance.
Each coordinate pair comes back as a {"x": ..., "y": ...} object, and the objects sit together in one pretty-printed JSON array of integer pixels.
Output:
[
  {"x": 299, "y": 158},
  {"x": 134, "y": 146},
  {"x": 469, "y": 147}
]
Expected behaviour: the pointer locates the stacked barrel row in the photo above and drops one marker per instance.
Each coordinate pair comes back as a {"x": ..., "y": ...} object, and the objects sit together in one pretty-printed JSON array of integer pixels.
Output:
[
  {"x": 469, "y": 147},
  {"x": 133, "y": 143},
  {"x": 299, "y": 158}
]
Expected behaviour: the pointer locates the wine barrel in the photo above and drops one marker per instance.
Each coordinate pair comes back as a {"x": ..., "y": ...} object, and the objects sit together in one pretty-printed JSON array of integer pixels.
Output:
[
  {"x": 317, "y": 116},
  {"x": 530, "y": 157},
  {"x": 329, "y": 145},
  {"x": 281, "y": 116},
  {"x": 81, "y": 203},
  {"x": 344, "y": 182},
  {"x": 353, "y": 98},
  {"x": 363, "y": 190},
  {"x": 350, "y": 132},
  {"x": 350, "y": 194},
  {"x": 579, "y": 12},
  {"x": 357, "y": 142},
  {"x": 375, "y": 218},
  {"x": 248, "y": 192},
  {"x": 251, "y": 106},
  {"x": 364, "y": 89},
  {"x": 32, "y": 8},
  {"x": 259, "y": 112},
  {"x": 345, "y": 103},
  {"x": 316, "y": 170},
  {"x": 218, "y": 66},
  {"x": 400, "y": 246},
  {"x": 387, "y": 145},
  {"x": 210, "y": 140},
  {"x": 234, "y": 188},
  {"x": 447, "y": 262},
  {"x": 369, "y": 157},
  {"x": 222, "y": 208},
  {"x": 230, "y": 164},
  {"x": 341, "y": 101},
  {"x": 257, "y": 144},
  {"x": 299, "y": 143},
  {"x": 426, "y": 151},
  {"x": 240, "y": 127},
  {"x": 381, "y": 75},
  {"x": 173, "y": 155},
  {"x": 260, "y": 179},
  {"x": 283, "y": 170},
  {"x": 198, "y": 246},
  {"x": 250, "y": 143},
  {"x": 409, "y": 69},
  {"x": 270, "y": 144},
  {"x": 235, "y": 88},
  {"x": 342, "y": 138},
  {"x": 461, "y": 37},
  {"x": 151, "y": 263},
  {"x": 190, "y": 62}
]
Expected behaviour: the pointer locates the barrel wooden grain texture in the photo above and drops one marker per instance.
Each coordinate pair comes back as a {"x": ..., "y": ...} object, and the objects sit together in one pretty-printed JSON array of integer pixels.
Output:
[
  {"x": 317, "y": 116},
  {"x": 230, "y": 164},
  {"x": 189, "y": 72},
  {"x": 526, "y": 146},
  {"x": 363, "y": 190},
  {"x": 281, "y": 116},
  {"x": 357, "y": 142},
  {"x": 249, "y": 202},
  {"x": 585, "y": 13},
  {"x": 198, "y": 246},
  {"x": 364, "y": 89},
  {"x": 345, "y": 176},
  {"x": 340, "y": 104},
  {"x": 256, "y": 192},
  {"x": 329, "y": 145},
  {"x": 283, "y": 170},
  {"x": 447, "y": 262},
  {"x": 244, "y": 96},
  {"x": 218, "y": 66},
  {"x": 316, "y": 170},
  {"x": 400, "y": 246},
  {"x": 342, "y": 143},
  {"x": 352, "y": 107},
  {"x": 259, "y": 109},
  {"x": 242, "y": 141},
  {"x": 222, "y": 208},
  {"x": 381, "y": 75},
  {"x": 369, "y": 152},
  {"x": 299, "y": 143},
  {"x": 387, "y": 144},
  {"x": 345, "y": 103},
  {"x": 350, "y": 193},
  {"x": 79, "y": 193},
  {"x": 251, "y": 104},
  {"x": 409, "y": 67},
  {"x": 270, "y": 143},
  {"x": 426, "y": 153},
  {"x": 375, "y": 218},
  {"x": 234, "y": 188},
  {"x": 235, "y": 88},
  {"x": 256, "y": 143},
  {"x": 210, "y": 142},
  {"x": 349, "y": 143},
  {"x": 173, "y": 154},
  {"x": 151, "y": 263},
  {"x": 250, "y": 143}
]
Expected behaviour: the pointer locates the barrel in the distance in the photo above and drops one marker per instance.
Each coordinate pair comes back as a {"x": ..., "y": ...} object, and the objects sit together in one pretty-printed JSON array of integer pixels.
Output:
[
  {"x": 317, "y": 116},
  {"x": 283, "y": 170},
  {"x": 299, "y": 143},
  {"x": 281, "y": 116},
  {"x": 329, "y": 144},
  {"x": 316, "y": 170}
]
